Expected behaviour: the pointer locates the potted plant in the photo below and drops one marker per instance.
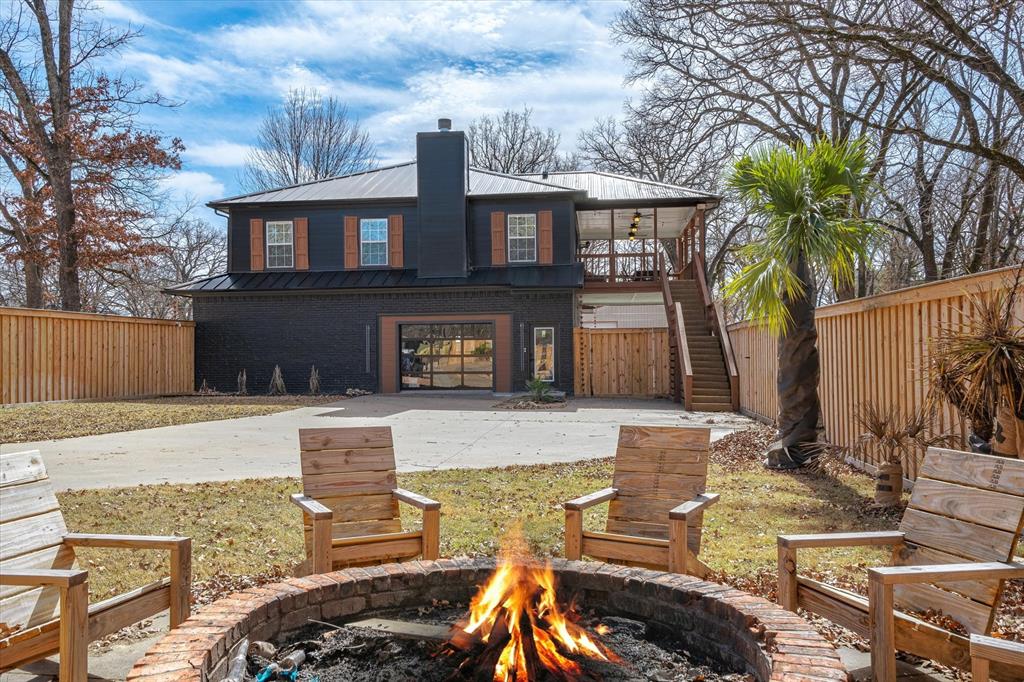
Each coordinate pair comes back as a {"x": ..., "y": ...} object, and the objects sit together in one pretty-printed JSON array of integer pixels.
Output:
[
  {"x": 894, "y": 436},
  {"x": 979, "y": 369}
]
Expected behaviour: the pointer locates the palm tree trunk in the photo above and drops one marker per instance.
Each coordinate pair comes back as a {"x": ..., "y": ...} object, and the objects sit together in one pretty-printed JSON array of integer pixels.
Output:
[{"x": 799, "y": 422}]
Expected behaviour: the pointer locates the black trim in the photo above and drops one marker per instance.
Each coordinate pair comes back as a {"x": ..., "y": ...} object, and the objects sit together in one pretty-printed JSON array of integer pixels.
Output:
[{"x": 519, "y": 277}]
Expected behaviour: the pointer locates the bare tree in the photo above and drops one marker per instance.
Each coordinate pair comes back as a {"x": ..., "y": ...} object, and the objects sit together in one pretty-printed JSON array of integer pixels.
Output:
[
  {"x": 510, "y": 143},
  {"x": 308, "y": 137},
  {"x": 735, "y": 74},
  {"x": 68, "y": 133},
  {"x": 191, "y": 249}
]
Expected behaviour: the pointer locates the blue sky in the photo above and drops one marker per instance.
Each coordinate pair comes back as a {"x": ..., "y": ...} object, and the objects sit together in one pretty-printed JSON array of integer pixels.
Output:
[{"x": 398, "y": 65}]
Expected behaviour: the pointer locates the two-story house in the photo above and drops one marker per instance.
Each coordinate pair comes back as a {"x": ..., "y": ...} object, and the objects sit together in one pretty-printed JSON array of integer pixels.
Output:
[{"x": 431, "y": 274}]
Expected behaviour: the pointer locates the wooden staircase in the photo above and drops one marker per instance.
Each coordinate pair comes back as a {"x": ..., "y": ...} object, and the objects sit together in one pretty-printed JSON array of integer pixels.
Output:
[
  {"x": 703, "y": 371},
  {"x": 711, "y": 389}
]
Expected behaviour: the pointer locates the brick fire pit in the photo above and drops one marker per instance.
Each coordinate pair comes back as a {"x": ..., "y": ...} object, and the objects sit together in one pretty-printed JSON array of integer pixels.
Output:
[{"x": 736, "y": 629}]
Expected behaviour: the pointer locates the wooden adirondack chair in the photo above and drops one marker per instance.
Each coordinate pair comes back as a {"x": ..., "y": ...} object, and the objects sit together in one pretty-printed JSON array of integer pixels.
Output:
[
  {"x": 44, "y": 597},
  {"x": 656, "y": 502},
  {"x": 952, "y": 553},
  {"x": 350, "y": 501}
]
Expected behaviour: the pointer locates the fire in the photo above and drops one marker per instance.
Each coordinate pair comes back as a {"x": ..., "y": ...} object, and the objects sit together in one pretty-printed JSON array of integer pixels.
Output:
[{"x": 517, "y": 610}]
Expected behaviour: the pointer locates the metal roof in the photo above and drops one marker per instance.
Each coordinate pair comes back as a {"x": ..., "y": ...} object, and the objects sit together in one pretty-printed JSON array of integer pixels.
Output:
[
  {"x": 604, "y": 186},
  {"x": 392, "y": 182},
  {"x": 520, "y": 277}
]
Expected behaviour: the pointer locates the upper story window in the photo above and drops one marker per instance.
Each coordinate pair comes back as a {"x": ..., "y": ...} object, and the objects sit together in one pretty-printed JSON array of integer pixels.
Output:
[
  {"x": 522, "y": 238},
  {"x": 280, "y": 244},
  {"x": 373, "y": 241}
]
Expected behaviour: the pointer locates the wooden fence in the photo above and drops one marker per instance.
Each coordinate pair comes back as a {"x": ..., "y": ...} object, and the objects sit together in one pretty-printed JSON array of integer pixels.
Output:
[
  {"x": 621, "y": 362},
  {"x": 53, "y": 355},
  {"x": 873, "y": 350}
]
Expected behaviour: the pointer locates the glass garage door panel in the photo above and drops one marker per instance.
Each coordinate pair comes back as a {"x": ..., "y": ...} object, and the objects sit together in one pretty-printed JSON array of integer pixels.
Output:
[{"x": 447, "y": 356}]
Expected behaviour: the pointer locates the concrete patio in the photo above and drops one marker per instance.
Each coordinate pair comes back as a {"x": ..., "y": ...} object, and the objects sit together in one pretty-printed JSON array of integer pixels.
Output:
[{"x": 431, "y": 432}]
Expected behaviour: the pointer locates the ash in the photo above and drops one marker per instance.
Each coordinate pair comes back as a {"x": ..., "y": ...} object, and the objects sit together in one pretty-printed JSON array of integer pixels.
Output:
[{"x": 352, "y": 654}]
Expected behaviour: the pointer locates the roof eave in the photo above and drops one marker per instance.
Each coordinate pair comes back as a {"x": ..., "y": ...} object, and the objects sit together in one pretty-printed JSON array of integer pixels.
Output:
[{"x": 593, "y": 204}]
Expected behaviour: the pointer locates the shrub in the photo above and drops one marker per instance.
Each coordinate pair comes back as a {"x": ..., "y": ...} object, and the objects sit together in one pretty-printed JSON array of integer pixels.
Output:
[
  {"x": 242, "y": 388},
  {"x": 314, "y": 381}
]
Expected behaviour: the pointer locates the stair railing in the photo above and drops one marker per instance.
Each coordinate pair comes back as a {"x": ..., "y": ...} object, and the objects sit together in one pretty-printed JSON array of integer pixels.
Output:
[
  {"x": 716, "y": 323},
  {"x": 683, "y": 375}
]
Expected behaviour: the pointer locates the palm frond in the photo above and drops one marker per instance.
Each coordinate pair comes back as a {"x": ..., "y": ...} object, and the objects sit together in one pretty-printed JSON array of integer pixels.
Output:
[{"x": 807, "y": 197}]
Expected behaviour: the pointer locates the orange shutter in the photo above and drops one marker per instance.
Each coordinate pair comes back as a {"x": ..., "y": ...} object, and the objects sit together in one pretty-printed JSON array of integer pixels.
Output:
[
  {"x": 256, "y": 244},
  {"x": 396, "y": 255},
  {"x": 497, "y": 238},
  {"x": 545, "y": 249},
  {"x": 351, "y": 242},
  {"x": 301, "y": 244}
]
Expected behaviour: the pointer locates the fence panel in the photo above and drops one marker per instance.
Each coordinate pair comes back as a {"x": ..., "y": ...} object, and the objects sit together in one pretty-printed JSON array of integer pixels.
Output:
[
  {"x": 621, "y": 362},
  {"x": 873, "y": 350},
  {"x": 55, "y": 355}
]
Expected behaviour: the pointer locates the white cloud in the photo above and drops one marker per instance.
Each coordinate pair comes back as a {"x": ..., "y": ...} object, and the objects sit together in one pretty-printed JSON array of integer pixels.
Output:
[
  {"x": 195, "y": 185},
  {"x": 352, "y": 92},
  {"x": 121, "y": 11},
  {"x": 222, "y": 154},
  {"x": 189, "y": 80},
  {"x": 398, "y": 65}
]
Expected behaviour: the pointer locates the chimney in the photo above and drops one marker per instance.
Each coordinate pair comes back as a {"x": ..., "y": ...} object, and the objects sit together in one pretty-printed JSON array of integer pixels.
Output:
[{"x": 441, "y": 172}]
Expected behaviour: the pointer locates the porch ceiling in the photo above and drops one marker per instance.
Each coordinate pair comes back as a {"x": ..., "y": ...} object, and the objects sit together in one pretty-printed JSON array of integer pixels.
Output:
[{"x": 596, "y": 224}]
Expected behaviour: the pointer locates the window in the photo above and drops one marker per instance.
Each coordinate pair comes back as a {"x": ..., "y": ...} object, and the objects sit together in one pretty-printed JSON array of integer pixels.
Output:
[
  {"x": 279, "y": 244},
  {"x": 522, "y": 238},
  {"x": 373, "y": 241},
  {"x": 544, "y": 353}
]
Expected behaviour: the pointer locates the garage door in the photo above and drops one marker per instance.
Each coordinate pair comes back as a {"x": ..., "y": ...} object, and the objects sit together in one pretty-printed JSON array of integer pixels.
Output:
[{"x": 447, "y": 356}]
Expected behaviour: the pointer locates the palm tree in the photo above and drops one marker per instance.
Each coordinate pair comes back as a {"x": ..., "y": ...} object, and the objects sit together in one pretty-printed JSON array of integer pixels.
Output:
[{"x": 807, "y": 197}]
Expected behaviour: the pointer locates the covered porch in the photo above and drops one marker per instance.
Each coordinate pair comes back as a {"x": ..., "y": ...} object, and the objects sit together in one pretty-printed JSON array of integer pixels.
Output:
[{"x": 627, "y": 248}]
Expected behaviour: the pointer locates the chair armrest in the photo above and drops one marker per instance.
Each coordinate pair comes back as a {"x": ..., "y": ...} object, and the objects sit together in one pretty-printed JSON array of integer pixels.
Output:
[
  {"x": 317, "y": 511},
  {"x": 697, "y": 504},
  {"x": 901, "y": 575},
  {"x": 998, "y": 650},
  {"x": 581, "y": 503},
  {"x": 125, "y": 541},
  {"x": 418, "y": 501},
  {"x": 868, "y": 539},
  {"x": 44, "y": 576}
]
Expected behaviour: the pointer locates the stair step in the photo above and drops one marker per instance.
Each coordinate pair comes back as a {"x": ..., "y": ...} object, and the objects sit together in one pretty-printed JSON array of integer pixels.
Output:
[
  {"x": 699, "y": 406},
  {"x": 699, "y": 392},
  {"x": 708, "y": 380}
]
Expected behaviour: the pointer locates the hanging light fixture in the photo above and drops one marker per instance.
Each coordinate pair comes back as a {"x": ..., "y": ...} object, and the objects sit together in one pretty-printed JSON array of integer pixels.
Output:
[{"x": 634, "y": 226}]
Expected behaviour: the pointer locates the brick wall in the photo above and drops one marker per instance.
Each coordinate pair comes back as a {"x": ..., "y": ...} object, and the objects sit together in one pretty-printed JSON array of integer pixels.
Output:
[{"x": 329, "y": 330}]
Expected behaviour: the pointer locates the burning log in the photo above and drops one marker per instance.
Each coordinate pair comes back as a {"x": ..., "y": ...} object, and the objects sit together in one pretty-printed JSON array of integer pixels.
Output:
[{"x": 516, "y": 630}]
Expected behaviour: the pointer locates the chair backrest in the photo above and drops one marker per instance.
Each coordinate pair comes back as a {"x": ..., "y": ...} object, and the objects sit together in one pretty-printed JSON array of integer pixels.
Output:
[
  {"x": 32, "y": 534},
  {"x": 657, "y": 468},
  {"x": 965, "y": 507},
  {"x": 352, "y": 471}
]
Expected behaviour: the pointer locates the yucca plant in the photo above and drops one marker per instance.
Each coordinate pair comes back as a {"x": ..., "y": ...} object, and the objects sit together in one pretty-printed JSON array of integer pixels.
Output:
[
  {"x": 314, "y": 381},
  {"x": 540, "y": 390},
  {"x": 277, "y": 386},
  {"x": 979, "y": 368},
  {"x": 807, "y": 198},
  {"x": 895, "y": 435}
]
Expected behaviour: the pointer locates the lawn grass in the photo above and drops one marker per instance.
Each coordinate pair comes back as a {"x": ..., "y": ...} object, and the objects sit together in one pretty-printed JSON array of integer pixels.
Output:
[
  {"x": 46, "y": 421},
  {"x": 249, "y": 527}
]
